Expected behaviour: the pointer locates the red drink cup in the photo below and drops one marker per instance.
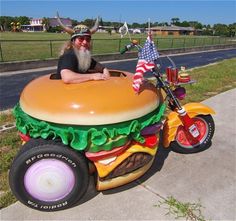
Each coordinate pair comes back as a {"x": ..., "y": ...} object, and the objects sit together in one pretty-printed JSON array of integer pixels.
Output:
[
  {"x": 174, "y": 73},
  {"x": 168, "y": 74}
]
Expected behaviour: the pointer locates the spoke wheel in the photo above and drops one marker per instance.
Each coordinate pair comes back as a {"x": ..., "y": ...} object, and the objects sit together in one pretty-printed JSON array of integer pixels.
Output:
[
  {"x": 184, "y": 139},
  {"x": 185, "y": 143}
]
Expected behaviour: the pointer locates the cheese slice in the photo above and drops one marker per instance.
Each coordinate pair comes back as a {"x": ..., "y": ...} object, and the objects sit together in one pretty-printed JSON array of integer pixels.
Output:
[{"x": 104, "y": 169}]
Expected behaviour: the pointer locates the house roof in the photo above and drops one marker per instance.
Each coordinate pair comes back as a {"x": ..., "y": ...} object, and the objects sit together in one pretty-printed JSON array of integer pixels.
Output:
[
  {"x": 65, "y": 21},
  {"x": 172, "y": 28},
  {"x": 106, "y": 27}
]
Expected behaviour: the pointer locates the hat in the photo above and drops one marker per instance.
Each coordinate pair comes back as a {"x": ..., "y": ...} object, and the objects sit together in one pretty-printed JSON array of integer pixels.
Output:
[{"x": 79, "y": 30}]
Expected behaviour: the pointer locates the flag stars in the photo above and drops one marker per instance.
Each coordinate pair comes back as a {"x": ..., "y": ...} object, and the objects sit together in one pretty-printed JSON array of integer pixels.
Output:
[{"x": 147, "y": 56}]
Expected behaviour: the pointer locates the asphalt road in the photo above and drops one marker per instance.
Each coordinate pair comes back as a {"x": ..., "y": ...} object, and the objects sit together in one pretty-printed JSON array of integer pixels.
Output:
[{"x": 11, "y": 85}]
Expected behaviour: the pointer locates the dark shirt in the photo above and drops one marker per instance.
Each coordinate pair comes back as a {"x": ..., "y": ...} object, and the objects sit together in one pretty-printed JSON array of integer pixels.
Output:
[{"x": 69, "y": 61}]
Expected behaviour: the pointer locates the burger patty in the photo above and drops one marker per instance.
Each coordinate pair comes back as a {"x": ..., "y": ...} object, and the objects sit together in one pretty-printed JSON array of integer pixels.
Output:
[{"x": 133, "y": 162}]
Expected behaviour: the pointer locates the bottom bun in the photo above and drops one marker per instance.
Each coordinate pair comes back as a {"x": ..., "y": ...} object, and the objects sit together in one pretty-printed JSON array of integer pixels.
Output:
[{"x": 121, "y": 180}]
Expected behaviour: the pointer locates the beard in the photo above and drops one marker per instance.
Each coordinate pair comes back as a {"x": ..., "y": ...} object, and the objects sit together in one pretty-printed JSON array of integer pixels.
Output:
[{"x": 84, "y": 59}]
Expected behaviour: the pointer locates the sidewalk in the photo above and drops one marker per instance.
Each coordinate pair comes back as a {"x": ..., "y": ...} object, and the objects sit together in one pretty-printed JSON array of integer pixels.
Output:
[{"x": 208, "y": 177}]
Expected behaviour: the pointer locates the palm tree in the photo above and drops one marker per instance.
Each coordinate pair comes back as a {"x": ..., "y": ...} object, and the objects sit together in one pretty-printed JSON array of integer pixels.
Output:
[
  {"x": 45, "y": 23},
  {"x": 175, "y": 21}
]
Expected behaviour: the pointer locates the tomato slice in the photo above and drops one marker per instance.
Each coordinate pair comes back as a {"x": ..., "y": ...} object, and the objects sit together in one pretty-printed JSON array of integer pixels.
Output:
[
  {"x": 24, "y": 137},
  {"x": 106, "y": 154},
  {"x": 151, "y": 141}
]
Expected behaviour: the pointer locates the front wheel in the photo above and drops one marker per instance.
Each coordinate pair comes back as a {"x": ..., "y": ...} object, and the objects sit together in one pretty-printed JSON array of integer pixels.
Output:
[
  {"x": 185, "y": 143},
  {"x": 48, "y": 176}
]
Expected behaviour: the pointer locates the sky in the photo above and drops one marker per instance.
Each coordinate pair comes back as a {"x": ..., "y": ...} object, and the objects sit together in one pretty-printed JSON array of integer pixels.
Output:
[{"x": 140, "y": 11}]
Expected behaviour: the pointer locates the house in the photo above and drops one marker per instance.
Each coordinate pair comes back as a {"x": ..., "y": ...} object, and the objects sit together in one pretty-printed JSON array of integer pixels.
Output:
[
  {"x": 105, "y": 29},
  {"x": 136, "y": 31},
  {"x": 36, "y": 24},
  {"x": 173, "y": 30},
  {"x": 65, "y": 21}
]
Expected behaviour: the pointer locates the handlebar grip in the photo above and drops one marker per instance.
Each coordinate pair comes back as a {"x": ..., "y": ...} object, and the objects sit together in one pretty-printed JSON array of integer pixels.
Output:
[
  {"x": 123, "y": 50},
  {"x": 127, "y": 48}
]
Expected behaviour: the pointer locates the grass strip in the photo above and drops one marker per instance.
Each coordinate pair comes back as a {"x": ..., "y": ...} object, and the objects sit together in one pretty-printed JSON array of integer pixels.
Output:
[{"x": 28, "y": 46}]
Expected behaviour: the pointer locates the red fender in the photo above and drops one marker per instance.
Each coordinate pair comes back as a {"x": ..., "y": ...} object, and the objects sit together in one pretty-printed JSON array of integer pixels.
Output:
[{"x": 173, "y": 121}]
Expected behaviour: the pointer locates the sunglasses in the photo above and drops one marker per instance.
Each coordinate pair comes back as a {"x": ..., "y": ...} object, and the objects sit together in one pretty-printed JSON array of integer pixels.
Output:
[{"x": 86, "y": 38}]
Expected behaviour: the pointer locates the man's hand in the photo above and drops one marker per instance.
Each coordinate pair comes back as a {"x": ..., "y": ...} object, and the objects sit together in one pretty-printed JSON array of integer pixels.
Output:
[
  {"x": 102, "y": 76},
  {"x": 98, "y": 76},
  {"x": 106, "y": 73}
]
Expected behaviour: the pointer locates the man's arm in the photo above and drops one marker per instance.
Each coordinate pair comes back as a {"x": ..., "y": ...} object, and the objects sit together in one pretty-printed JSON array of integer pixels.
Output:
[
  {"x": 99, "y": 68},
  {"x": 70, "y": 77}
]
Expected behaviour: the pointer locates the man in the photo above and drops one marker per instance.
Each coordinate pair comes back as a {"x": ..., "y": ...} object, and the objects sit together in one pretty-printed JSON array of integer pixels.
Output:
[{"x": 76, "y": 65}]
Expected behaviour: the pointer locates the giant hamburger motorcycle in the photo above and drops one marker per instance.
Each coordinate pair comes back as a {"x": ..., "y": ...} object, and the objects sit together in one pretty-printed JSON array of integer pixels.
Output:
[{"x": 106, "y": 129}]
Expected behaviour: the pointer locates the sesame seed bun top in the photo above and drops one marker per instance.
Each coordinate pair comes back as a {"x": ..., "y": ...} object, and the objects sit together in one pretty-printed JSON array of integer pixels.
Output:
[{"x": 89, "y": 103}]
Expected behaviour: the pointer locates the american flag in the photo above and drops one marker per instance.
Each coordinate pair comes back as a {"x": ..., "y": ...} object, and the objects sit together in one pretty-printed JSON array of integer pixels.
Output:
[{"x": 147, "y": 56}]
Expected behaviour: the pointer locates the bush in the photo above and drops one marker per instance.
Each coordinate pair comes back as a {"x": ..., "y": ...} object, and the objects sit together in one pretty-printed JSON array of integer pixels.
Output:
[{"x": 56, "y": 29}]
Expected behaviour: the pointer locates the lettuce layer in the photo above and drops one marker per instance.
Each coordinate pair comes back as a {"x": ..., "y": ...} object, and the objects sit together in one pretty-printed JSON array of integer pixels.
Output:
[{"x": 89, "y": 138}]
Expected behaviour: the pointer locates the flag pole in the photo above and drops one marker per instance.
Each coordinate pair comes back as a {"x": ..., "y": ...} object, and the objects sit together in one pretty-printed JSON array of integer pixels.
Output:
[
  {"x": 149, "y": 25},
  {"x": 149, "y": 28},
  {"x": 129, "y": 34}
]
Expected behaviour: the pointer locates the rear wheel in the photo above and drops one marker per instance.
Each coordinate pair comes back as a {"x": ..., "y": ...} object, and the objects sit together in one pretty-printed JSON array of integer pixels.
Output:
[
  {"x": 48, "y": 176},
  {"x": 185, "y": 143}
]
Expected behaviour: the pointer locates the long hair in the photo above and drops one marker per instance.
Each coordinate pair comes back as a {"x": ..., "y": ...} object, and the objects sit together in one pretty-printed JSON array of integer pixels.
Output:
[{"x": 66, "y": 46}]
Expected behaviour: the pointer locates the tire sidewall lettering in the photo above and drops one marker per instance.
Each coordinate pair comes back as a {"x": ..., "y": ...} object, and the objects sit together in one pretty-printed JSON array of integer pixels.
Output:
[
  {"x": 46, "y": 207},
  {"x": 209, "y": 134},
  {"x": 61, "y": 157}
]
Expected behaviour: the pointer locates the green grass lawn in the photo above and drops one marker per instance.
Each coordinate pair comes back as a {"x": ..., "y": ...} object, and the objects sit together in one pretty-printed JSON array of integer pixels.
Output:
[
  {"x": 211, "y": 80},
  {"x": 28, "y": 46}
]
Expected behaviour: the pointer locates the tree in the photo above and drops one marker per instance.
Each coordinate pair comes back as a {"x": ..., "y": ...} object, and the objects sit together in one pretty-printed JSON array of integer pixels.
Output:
[
  {"x": 220, "y": 30},
  {"x": 155, "y": 24},
  {"x": 135, "y": 25},
  {"x": 185, "y": 24},
  {"x": 45, "y": 24},
  {"x": 101, "y": 22},
  {"x": 109, "y": 31},
  {"x": 57, "y": 29},
  {"x": 175, "y": 21},
  {"x": 5, "y": 22},
  {"x": 163, "y": 24},
  {"x": 232, "y": 30},
  {"x": 88, "y": 22},
  {"x": 207, "y": 30},
  {"x": 23, "y": 20},
  {"x": 74, "y": 22},
  {"x": 195, "y": 24}
]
